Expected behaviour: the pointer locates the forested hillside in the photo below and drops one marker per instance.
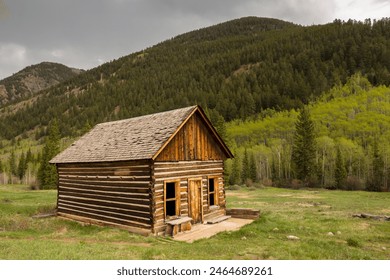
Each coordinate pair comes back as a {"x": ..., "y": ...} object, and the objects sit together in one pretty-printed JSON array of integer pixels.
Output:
[
  {"x": 352, "y": 131},
  {"x": 237, "y": 69},
  {"x": 33, "y": 79}
]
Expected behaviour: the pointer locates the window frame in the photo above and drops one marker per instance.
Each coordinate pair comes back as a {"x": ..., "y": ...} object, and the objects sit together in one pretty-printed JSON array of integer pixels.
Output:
[
  {"x": 176, "y": 199},
  {"x": 215, "y": 192}
]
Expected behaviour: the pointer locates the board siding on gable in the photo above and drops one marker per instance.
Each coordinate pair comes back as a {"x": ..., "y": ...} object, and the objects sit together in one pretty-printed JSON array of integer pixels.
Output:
[{"x": 192, "y": 142}]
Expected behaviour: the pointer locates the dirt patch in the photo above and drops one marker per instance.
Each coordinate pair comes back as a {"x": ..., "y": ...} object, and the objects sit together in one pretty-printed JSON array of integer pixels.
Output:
[
  {"x": 363, "y": 225},
  {"x": 305, "y": 196},
  {"x": 313, "y": 204},
  {"x": 62, "y": 231},
  {"x": 252, "y": 203},
  {"x": 240, "y": 195},
  {"x": 385, "y": 211},
  {"x": 284, "y": 195}
]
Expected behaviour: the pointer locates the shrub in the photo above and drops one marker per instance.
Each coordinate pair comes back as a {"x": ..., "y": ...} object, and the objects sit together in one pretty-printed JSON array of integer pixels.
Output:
[
  {"x": 266, "y": 182},
  {"x": 353, "y": 183},
  {"x": 353, "y": 242}
]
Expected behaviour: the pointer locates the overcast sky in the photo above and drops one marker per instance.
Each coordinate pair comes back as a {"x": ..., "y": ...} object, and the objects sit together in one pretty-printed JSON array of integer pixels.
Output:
[{"x": 86, "y": 33}]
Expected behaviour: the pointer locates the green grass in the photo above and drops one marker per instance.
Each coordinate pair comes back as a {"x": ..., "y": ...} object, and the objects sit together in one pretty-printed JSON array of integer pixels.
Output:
[{"x": 308, "y": 214}]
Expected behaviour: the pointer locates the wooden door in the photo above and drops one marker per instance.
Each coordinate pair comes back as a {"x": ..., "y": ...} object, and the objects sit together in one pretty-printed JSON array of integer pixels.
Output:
[{"x": 195, "y": 200}]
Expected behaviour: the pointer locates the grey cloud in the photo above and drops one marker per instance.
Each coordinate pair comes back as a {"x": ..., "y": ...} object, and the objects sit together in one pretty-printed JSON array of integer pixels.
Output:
[{"x": 85, "y": 33}]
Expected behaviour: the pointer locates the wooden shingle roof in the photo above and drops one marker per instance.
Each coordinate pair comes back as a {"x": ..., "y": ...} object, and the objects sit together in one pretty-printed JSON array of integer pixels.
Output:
[{"x": 130, "y": 139}]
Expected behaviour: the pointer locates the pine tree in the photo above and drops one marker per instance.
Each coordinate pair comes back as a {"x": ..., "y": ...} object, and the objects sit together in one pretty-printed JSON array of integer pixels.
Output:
[
  {"x": 376, "y": 182},
  {"x": 47, "y": 174},
  {"x": 340, "y": 172},
  {"x": 245, "y": 167},
  {"x": 235, "y": 174},
  {"x": 304, "y": 148},
  {"x": 252, "y": 168},
  {"x": 12, "y": 164},
  {"x": 22, "y": 166}
]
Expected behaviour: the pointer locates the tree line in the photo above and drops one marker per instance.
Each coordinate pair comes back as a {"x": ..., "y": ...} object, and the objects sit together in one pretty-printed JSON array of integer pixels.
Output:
[{"x": 341, "y": 141}]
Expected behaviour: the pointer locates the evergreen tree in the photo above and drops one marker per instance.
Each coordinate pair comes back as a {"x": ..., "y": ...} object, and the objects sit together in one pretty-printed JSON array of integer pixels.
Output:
[
  {"x": 47, "y": 174},
  {"x": 376, "y": 181},
  {"x": 245, "y": 167},
  {"x": 12, "y": 164},
  {"x": 252, "y": 168},
  {"x": 235, "y": 174},
  {"x": 304, "y": 148},
  {"x": 22, "y": 166},
  {"x": 29, "y": 156},
  {"x": 340, "y": 172}
]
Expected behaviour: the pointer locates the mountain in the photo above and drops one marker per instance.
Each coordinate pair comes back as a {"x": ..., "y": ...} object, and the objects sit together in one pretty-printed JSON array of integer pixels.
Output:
[
  {"x": 33, "y": 79},
  {"x": 233, "y": 70}
]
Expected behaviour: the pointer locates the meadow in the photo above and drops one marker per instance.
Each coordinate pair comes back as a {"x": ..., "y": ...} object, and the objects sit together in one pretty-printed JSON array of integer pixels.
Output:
[{"x": 321, "y": 219}]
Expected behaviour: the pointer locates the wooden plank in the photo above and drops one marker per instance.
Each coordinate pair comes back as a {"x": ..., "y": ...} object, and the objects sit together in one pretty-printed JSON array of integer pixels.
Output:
[
  {"x": 243, "y": 213},
  {"x": 179, "y": 221}
]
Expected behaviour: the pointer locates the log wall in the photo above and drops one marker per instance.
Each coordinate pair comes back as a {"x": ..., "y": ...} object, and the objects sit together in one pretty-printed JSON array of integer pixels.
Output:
[
  {"x": 183, "y": 171},
  {"x": 116, "y": 194}
]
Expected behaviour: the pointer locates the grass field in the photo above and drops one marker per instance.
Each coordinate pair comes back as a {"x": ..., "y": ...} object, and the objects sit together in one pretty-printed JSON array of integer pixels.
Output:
[{"x": 308, "y": 214}]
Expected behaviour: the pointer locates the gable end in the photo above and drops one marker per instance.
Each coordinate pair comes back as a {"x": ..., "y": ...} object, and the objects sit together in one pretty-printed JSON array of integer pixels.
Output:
[{"x": 195, "y": 139}]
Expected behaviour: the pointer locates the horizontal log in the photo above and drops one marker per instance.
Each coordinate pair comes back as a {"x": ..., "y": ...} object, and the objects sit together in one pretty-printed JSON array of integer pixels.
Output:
[
  {"x": 187, "y": 173},
  {"x": 243, "y": 213},
  {"x": 371, "y": 216},
  {"x": 124, "y": 200},
  {"x": 100, "y": 177},
  {"x": 83, "y": 220},
  {"x": 107, "y": 212},
  {"x": 124, "y": 209},
  {"x": 186, "y": 177},
  {"x": 192, "y": 162},
  {"x": 101, "y": 218},
  {"x": 102, "y": 191},
  {"x": 120, "y": 192},
  {"x": 188, "y": 167},
  {"x": 87, "y": 184},
  {"x": 111, "y": 169},
  {"x": 117, "y": 180},
  {"x": 123, "y": 203}
]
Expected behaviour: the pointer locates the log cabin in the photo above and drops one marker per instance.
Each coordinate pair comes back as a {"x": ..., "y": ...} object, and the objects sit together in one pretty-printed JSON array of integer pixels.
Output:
[{"x": 155, "y": 174}]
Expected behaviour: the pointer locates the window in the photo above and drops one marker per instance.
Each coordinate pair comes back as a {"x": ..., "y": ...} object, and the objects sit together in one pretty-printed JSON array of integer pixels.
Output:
[
  {"x": 213, "y": 192},
  {"x": 172, "y": 199}
]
